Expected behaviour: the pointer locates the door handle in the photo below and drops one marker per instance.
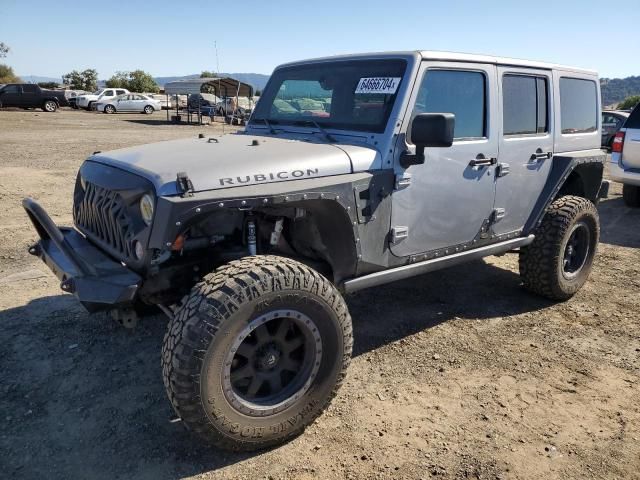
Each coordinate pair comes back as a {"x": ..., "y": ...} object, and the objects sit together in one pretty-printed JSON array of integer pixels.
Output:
[
  {"x": 482, "y": 161},
  {"x": 540, "y": 156}
]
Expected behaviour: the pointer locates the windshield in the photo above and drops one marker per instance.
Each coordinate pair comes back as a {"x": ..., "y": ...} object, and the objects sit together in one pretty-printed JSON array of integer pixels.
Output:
[{"x": 347, "y": 95}]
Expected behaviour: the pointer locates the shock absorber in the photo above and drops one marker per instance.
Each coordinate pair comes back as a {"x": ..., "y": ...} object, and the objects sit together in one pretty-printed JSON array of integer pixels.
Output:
[{"x": 251, "y": 235}]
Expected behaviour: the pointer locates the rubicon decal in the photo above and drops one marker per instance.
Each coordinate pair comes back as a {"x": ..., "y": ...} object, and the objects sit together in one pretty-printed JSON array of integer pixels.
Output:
[{"x": 269, "y": 177}]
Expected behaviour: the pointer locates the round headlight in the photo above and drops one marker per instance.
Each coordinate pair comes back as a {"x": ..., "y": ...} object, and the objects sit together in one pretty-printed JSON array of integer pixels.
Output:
[{"x": 146, "y": 208}]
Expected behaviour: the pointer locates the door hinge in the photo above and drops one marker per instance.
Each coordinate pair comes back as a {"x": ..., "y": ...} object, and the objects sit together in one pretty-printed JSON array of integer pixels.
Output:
[
  {"x": 403, "y": 180},
  {"x": 503, "y": 169},
  {"x": 399, "y": 233},
  {"x": 498, "y": 214}
]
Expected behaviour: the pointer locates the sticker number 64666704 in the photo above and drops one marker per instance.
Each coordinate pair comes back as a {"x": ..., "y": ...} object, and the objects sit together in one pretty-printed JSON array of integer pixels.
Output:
[{"x": 382, "y": 85}]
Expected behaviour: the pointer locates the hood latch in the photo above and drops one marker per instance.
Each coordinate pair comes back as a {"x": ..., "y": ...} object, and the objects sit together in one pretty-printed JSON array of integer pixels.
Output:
[{"x": 185, "y": 186}]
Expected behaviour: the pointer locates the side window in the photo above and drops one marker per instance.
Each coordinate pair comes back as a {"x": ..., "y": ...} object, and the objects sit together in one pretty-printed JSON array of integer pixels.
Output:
[
  {"x": 524, "y": 105},
  {"x": 120, "y": 92},
  {"x": 108, "y": 93},
  {"x": 460, "y": 92},
  {"x": 12, "y": 89},
  {"x": 29, "y": 88},
  {"x": 578, "y": 105}
]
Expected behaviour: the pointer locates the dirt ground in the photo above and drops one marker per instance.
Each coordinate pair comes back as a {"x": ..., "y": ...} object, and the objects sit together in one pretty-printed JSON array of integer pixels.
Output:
[{"x": 456, "y": 374}]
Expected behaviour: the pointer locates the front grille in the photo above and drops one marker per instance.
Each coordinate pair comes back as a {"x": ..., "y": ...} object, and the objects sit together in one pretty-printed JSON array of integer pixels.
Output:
[{"x": 102, "y": 214}]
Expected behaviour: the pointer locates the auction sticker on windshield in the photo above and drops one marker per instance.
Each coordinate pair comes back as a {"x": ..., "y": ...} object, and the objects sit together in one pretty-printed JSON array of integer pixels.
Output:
[{"x": 382, "y": 85}]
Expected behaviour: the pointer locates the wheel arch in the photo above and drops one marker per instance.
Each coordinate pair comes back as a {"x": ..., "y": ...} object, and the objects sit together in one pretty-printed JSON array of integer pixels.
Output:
[
  {"x": 578, "y": 174},
  {"x": 340, "y": 221}
]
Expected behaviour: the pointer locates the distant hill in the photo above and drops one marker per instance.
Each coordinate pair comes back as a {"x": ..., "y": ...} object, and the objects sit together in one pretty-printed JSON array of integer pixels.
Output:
[
  {"x": 38, "y": 79},
  {"x": 615, "y": 90},
  {"x": 256, "y": 80}
]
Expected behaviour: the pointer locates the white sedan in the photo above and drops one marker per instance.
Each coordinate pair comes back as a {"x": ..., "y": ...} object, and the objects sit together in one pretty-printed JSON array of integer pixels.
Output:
[{"x": 131, "y": 102}]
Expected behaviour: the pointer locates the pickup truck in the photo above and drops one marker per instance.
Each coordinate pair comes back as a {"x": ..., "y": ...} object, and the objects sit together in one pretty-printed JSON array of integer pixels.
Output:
[
  {"x": 28, "y": 95},
  {"x": 104, "y": 94}
]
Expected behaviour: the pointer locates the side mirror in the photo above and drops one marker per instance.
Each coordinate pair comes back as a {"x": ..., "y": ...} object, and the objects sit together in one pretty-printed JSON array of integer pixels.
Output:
[{"x": 429, "y": 130}]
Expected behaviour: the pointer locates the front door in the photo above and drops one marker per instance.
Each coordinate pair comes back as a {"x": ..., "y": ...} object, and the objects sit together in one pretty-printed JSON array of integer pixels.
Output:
[
  {"x": 526, "y": 144},
  {"x": 446, "y": 201},
  {"x": 11, "y": 96}
]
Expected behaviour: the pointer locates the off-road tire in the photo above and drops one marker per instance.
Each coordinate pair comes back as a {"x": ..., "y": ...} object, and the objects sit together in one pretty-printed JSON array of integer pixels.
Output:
[
  {"x": 631, "y": 195},
  {"x": 90, "y": 106},
  {"x": 49, "y": 106},
  {"x": 202, "y": 333},
  {"x": 542, "y": 263}
]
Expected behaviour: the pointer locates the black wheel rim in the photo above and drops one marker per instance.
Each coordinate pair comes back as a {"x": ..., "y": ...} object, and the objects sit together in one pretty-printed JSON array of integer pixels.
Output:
[
  {"x": 576, "y": 250},
  {"x": 272, "y": 362}
]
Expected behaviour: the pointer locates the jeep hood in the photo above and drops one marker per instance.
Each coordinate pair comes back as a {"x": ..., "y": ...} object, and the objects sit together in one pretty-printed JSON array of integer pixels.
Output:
[{"x": 236, "y": 159}]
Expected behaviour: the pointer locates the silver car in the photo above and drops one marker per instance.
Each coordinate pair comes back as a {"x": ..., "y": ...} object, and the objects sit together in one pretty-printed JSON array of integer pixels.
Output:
[{"x": 131, "y": 102}]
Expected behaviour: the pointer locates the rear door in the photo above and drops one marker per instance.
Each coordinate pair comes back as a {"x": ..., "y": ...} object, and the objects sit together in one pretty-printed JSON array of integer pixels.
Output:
[
  {"x": 31, "y": 96},
  {"x": 450, "y": 197},
  {"x": 525, "y": 145},
  {"x": 631, "y": 148},
  {"x": 123, "y": 103}
]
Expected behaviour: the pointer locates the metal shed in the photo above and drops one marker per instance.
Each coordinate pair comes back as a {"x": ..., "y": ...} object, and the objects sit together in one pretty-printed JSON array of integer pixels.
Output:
[{"x": 222, "y": 87}]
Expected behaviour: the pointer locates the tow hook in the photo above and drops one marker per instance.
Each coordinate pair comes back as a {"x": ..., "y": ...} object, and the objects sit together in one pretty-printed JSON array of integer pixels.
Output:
[
  {"x": 68, "y": 286},
  {"x": 35, "y": 249}
]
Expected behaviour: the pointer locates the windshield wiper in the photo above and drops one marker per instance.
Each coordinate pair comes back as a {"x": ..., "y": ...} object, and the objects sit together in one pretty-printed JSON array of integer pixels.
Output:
[{"x": 326, "y": 134}]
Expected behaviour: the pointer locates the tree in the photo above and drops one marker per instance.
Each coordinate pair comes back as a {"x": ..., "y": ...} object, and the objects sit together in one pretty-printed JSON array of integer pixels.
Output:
[
  {"x": 85, "y": 80},
  {"x": 629, "y": 102},
  {"x": 140, "y": 81},
  {"x": 119, "y": 80},
  {"x": 136, "y": 81},
  {"x": 48, "y": 85},
  {"x": 4, "y": 49},
  {"x": 7, "y": 75},
  {"x": 208, "y": 74}
]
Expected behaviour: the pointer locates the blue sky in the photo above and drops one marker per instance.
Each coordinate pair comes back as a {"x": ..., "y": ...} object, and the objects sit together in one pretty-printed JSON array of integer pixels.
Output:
[{"x": 177, "y": 37}]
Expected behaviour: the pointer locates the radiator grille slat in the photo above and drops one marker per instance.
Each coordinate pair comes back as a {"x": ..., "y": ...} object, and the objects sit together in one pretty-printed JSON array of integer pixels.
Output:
[{"x": 102, "y": 214}]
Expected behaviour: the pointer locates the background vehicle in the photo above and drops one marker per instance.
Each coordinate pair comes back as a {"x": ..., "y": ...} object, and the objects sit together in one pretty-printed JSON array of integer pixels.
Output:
[
  {"x": 244, "y": 106},
  {"x": 161, "y": 99},
  {"x": 247, "y": 242},
  {"x": 71, "y": 96},
  {"x": 131, "y": 102},
  {"x": 612, "y": 121},
  {"x": 28, "y": 95},
  {"x": 200, "y": 100},
  {"x": 87, "y": 101},
  {"x": 625, "y": 158}
]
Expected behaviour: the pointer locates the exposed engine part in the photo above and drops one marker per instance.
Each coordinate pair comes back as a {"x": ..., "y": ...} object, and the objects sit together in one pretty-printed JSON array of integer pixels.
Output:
[
  {"x": 251, "y": 236},
  {"x": 127, "y": 317},
  {"x": 277, "y": 230}
]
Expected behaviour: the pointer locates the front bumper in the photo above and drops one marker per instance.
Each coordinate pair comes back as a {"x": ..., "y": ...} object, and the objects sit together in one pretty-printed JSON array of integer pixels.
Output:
[{"x": 98, "y": 281}]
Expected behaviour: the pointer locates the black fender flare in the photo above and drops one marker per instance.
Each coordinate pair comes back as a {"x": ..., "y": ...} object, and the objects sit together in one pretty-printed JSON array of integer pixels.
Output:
[{"x": 577, "y": 173}]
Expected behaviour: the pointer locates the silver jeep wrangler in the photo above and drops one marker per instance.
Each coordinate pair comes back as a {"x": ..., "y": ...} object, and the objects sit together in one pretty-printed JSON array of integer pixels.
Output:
[{"x": 352, "y": 172}]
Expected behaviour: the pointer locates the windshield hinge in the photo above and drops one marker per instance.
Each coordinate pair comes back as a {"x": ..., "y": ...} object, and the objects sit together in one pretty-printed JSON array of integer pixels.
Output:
[{"x": 185, "y": 186}]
